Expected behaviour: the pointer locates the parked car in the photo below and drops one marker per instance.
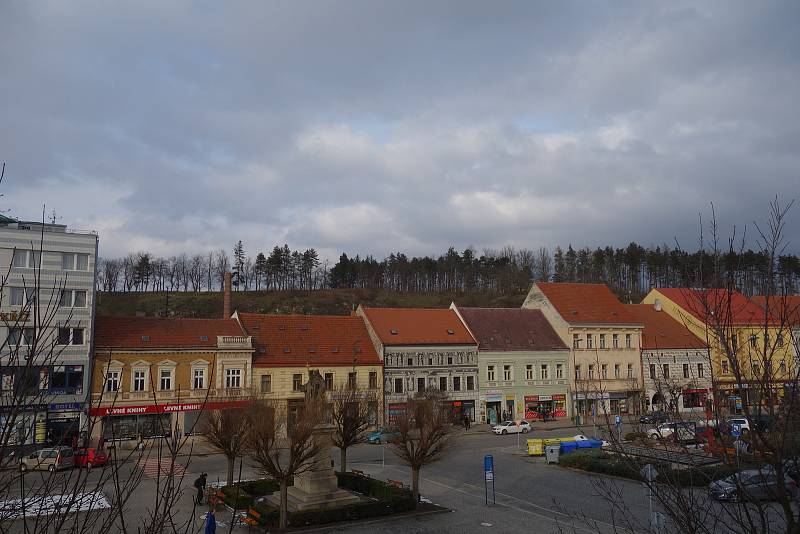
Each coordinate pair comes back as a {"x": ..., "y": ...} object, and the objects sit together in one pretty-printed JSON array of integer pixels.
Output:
[
  {"x": 382, "y": 435},
  {"x": 89, "y": 457},
  {"x": 52, "y": 459},
  {"x": 661, "y": 431},
  {"x": 654, "y": 418},
  {"x": 751, "y": 485},
  {"x": 512, "y": 427}
]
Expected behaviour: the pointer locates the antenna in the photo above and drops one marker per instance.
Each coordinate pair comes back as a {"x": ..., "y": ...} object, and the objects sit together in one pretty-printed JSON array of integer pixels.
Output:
[{"x": 54, "y": 217}]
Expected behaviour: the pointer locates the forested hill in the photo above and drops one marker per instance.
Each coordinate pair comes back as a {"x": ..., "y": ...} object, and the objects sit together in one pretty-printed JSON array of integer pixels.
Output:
[{"x": 323, "y": 301}]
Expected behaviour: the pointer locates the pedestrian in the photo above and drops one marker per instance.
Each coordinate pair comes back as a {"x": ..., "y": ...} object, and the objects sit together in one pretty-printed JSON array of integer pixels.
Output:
[
  {"x": 200, "y": 484},
  {"x": 211, "y": 523},
  {"x": 466, "y": 421}
]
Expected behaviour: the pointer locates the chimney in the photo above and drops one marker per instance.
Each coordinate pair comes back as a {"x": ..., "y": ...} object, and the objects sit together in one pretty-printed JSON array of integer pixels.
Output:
[
  {"x": 226, "y": 297},
  {"x": 657, "y": 305}
]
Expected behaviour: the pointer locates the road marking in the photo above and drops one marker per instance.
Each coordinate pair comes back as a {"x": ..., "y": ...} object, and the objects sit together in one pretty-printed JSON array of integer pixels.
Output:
[{"x": 152, "y": 466}]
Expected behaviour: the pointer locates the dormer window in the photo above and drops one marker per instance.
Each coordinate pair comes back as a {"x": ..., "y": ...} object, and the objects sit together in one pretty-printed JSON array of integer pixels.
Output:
[
  {"x": 203, "y": 338},
  {"x": 450, "y": 332},
  {"x": 145, "y": 338},
  {"x": 334, "y": 349},
  {"x": 393, "y": 331},
  {"x": 286, "y": 350}
]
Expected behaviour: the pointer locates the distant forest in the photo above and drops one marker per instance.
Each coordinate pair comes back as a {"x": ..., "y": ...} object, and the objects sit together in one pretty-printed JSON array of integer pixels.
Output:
[{"x": 629, "y": 271}]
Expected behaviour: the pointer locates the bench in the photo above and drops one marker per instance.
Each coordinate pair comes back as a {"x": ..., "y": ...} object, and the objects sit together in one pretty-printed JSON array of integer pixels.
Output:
[
  {"x": 396, "y": 483},
  {"x": 359, "y": 472},
  {"x": 253, "y": 517}
]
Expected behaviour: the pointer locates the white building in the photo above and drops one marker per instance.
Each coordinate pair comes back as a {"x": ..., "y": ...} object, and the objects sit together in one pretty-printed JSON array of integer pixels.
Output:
[
  {"x": 47, "y": 312},
  {"x": 424, "y": 349}
]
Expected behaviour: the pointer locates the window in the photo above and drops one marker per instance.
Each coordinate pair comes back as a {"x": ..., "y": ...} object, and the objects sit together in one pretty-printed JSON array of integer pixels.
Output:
[
  {"x": 529, "y": 372},
  {"x": 470, "y": 383},
  {"x": 77, "y": 336},
  {"x": 23, "y": 296},
  {"x": 138, "y": 380},
  {"x": 329, "y": 381},
  {"x": 112, "y": 381},
  {"x": 66, "y": 378},
  {"x": 591, "y": 371},
  {"x": 766, "y": 340},
  {"x": 665, "y": 369},
  {"x": 628, "y": 341},
  {"x": 430, "y": 361},
  {"x": 506, "y": 373},
  {"x": 652, "y": 371},
  {"x": 576, "y": 341},
  {"x": 685, "y": 370},
  {"x": 20, "y": 336},
  {"x": 266, "y": 383},
  {"x": 779, "y": 340},
  {"x": 753, "y": 341},
  {"x": 449, "y": 360},
  {"x": 602, "y": 341},
  {"x": 630, "y": 370},
  {"x": 544, "y": 372},
  {"x": 615, "y": 340},
  {"x": 577, "y": 372},
  {"x": 398, "y": 385},
  {"x": 456, "y": 383},
  {"x": 69, "y": 336},
  {"x": 756, "y": 369},
  {"x": 735, "y": 342},
  {"x": 559, "y": 370},
  {"x": 420, "y": 384},
  {"x": 604, "y": 371},
  {"x": 72, "y": 298},
  {"x": 297, "y": 382},
  {"x": 165, "y": 382},
  {"x": 589, "y": 341},
  {"x": 410, "y": 362},
  {"x": 782, "y": 367},
  {"x": 25, "y": 258},
  {"x": 373, "y": 380},
  {"x": 199, "y": 379},
  {"x": 490, "y": 373},
  {"x": 699, "y": 370},
  {"x": 443, "y": 383},
  {"x": 233, "y": 378},
  {"x": 74, "y": 262},
  {"x": 724, "y": 367},
  {"x": 352, "y": 379},
  {"x": 616, "y": 371},
  {"x": 63, "y": 336}
]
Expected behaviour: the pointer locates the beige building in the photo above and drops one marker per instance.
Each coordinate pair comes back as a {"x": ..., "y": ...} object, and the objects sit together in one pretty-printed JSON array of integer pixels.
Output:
[
  {"x": 604, "y": 339},
  {"x": 155, "y": 377}
]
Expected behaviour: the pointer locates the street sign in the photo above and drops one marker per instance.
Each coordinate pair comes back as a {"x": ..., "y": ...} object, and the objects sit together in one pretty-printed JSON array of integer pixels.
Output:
[
  {"x": 649, "y": 472},
  {"x": 488, "y": 471},
  {"x": 489, "y": 476},
  {"x": 488, "y": 463},
  {"x": 736, "y": 430}
]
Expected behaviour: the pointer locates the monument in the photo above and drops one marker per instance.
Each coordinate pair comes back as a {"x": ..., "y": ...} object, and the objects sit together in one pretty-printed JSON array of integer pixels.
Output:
[{"x": 317, "y": 487}]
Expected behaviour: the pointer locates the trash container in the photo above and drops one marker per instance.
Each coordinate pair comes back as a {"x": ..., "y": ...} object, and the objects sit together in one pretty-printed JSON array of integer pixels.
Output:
[
  {"x": 551, "y": 453},
  {"x": 535, "y": 447}
]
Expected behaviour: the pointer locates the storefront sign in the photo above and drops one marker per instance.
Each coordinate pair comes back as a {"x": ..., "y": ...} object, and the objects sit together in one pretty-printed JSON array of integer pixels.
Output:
[
  {"x": 52, "y": 416},
  {"x": 559, "y": 397},
  {"x": 494, "y": 398},
  {"x": 166, "y": 408},
  {"x": 531, "y": 398},
  {"x": 66, "y": 406}
]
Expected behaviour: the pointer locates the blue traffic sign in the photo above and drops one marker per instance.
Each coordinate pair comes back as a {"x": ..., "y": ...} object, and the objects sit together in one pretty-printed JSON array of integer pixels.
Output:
[
  {"x": 488, "y": 463},
  {"x": 736, "y": 430}
]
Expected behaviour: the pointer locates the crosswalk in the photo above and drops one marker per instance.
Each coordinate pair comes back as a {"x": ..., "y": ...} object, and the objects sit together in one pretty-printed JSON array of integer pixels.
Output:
[{"x": 152, "y": 466}]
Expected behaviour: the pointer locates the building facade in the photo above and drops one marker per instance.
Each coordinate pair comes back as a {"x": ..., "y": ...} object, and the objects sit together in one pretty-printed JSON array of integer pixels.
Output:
[
  {"x": 523, "y": 364},
  {"x": 47, "y": 312},
  {"x": 676, "y": 363},
  {"x": 604, "y": 343},
  {"x": 288, "y": 347},
  {"x": 424, "y": 349},
  {"x": 751, "y": 354},
  {"x": 156, "y": 376}
]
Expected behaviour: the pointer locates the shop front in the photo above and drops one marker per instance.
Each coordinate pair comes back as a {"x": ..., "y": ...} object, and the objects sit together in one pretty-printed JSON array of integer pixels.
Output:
[
  {"x": 494, "y": 407},
  {"x": 63, "y": 425},
  {"x": 694, "y": 398},
  {"x": 395, "y": 410},
  {"x": 545, "y": 407}
]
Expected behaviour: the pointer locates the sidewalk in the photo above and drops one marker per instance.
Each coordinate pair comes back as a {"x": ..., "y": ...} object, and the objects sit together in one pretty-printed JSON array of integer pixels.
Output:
[{"x": 538, "y": 426}]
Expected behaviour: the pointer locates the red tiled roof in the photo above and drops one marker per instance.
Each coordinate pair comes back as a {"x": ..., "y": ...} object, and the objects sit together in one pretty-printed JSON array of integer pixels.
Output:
[
  {"x": 787, "y": 307},
  {"x": 731, "y": 306},
  {"x": 157, "y": 332},
  {"x": 299, "y": 340},
  {"x": 418, "y": 326},
  {"x": 586, "y": 303},
  {"x": 662, "y": 331},
  {"x": 511, "y": 329}
]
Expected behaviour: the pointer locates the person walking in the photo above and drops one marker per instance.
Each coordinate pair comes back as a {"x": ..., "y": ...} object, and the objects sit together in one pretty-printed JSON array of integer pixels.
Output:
[
  {"x": 211, "y": 523},
  {"x": 466, "y": 421},
  {"x": 200, "y": 484}
]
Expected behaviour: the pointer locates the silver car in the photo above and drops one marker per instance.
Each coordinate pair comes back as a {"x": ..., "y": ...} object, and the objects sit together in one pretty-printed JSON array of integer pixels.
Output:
[
  {"x": 51, "y": 459},
  {"x": 751, "y": 485}
]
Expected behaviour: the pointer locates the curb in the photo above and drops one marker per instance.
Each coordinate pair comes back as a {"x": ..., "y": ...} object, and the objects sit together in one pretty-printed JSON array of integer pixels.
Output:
[{"x": 339, "y": 525}]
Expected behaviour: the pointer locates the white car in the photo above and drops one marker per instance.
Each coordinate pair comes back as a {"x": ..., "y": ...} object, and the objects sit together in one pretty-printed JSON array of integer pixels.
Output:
[
  {"x": 663, "y": 431},
  {"x": 512, "y": 427}
]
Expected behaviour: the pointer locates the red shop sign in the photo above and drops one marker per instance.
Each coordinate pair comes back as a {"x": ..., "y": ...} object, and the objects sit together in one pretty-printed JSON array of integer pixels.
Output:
[
  {"x": 559, "y": 397},
  {"x": 166, "y": 408},
  {"x": 531, "y": 398}
]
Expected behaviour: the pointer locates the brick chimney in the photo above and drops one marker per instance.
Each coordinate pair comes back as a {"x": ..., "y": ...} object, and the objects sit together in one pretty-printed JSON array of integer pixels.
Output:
[{"x": 226, "y": 297}]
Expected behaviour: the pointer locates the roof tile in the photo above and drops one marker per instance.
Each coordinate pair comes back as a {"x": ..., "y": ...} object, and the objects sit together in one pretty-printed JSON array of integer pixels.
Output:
[
  {"x": 586, "y": 303},
  {"x": 511, "y": 329},
  {"x": 418, "y": 326}
]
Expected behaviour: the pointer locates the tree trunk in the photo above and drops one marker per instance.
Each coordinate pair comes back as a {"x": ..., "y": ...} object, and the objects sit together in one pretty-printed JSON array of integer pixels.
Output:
[
  {"x": 231, "y": 464},
  {"x": 284, "y": 520},
  {"x": 343, "y": 460},
  {"x": 415, "y": 485}
]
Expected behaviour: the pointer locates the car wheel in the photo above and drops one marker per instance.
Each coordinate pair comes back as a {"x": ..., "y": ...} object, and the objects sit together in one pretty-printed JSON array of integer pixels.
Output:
[
  {"x": 504, "y": 432},
  {"x": 524, "y": 430},
  {"x": 51, "y": 468},
  {"x": 88, "y": 465}
]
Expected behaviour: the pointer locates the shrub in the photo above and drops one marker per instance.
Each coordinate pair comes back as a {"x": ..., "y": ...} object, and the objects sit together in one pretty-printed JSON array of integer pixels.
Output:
[
  {"x": 370, "y": 487},
  {"x": 635, "y": 436},
  {"x": 261, "y": 487},
  {"x": 349, "y": 513},
  {"x": 245, "y": 500}
]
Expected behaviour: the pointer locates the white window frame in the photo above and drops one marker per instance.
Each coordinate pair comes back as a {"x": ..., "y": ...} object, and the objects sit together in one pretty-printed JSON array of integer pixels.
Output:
[
  {"x": 490, "y": 373},
  {"x": 29, "y": 261},
  {"x": 261, "y": 383},
  {"x": 508, "y": 373},
  {"x": 544, "y": 371},
  {"x": 233, "y": 377},
  {"x": 170, "y": 378},
  {"x": 72, "y": 263},
  {"x": 529, "y": 372},
  {"x": 138, "y": 375},
  {"x": 112, "y": 376},
  {"x": 559, "y": 371}
]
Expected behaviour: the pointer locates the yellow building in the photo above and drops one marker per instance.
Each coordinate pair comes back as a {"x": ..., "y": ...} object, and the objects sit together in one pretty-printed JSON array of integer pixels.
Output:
[
  {"x": 287, "y": 347},
  {"x": 155, "y": 377},
  {"x": 750, "y": 353}
]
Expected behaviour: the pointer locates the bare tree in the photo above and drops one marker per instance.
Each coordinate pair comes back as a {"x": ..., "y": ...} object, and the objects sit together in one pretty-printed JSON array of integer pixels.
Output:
[
  {"x": 424, "y": 432},
  {"x": 228, "y": 431},
  {"x": 281, "y": 447},
  {"x": 352, "y": 411}
]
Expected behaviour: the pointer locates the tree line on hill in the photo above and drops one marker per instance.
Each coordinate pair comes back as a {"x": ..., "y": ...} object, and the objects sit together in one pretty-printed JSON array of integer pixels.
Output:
[{"x": 629, "y": 271}]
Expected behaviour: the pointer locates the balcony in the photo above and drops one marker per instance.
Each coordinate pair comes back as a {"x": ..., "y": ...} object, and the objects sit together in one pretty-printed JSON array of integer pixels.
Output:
[{"x": 234, "y": 342}]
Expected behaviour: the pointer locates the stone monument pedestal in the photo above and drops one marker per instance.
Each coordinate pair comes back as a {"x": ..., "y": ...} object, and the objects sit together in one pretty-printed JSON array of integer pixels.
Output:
[{"x": 317, "y": 487}]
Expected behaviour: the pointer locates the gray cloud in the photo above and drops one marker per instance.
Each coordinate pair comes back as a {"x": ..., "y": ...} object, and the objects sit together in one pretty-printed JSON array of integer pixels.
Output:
[{"x": 371, "y": 127}]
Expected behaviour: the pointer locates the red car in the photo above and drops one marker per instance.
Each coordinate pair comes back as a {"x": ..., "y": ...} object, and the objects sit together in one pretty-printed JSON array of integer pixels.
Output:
[{"x": 89, "y": 457}]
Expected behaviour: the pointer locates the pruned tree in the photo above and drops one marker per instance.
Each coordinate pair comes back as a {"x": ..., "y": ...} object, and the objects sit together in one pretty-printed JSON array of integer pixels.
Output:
[
  {"x": 424, "y": 432},
  {"x": 284, "y": 448},
  {"x": 352, "y": 412},
  {"x": 228, "y": 431}
]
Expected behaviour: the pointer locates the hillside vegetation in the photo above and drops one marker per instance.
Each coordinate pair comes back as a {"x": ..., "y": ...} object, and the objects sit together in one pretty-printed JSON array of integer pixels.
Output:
[{"x": 324, "y": 302}]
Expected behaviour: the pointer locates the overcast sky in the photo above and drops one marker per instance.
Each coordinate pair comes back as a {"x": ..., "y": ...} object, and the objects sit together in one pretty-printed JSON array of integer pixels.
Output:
[{"x": 369, "y": 127}]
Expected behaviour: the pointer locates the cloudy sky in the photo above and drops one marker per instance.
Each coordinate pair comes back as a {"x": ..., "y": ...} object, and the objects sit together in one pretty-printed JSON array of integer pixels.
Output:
[{"x": 375, "y": 126}]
